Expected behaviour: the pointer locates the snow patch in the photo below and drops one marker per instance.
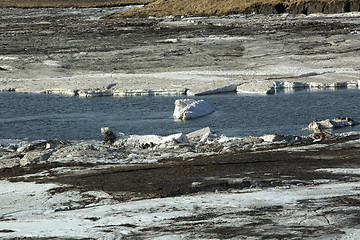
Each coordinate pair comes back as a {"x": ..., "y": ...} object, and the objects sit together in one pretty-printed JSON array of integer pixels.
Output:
[{"x": 355, "y": 171}]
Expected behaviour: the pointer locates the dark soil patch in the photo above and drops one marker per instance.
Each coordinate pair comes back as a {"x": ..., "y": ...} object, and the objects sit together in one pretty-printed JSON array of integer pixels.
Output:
[{"x": 220, "y": 173}]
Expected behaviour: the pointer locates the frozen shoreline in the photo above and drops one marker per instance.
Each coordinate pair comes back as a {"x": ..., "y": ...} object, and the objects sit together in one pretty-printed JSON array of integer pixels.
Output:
[
  {"x": 50, "y": 194},
  {"x": 131, "y": 218},
  {"x": 271, "y": 186},
  {"x": 192, "y": 84},
  {"x": 258, "y": 54}
]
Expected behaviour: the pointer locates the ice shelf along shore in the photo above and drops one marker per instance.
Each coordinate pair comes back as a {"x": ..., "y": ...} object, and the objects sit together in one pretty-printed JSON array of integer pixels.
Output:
[{"x": 251, "y": 87}]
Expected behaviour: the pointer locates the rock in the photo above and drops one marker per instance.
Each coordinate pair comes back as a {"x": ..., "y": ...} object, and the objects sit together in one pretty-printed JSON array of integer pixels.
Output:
[
  {"x": 42, "y": 145},
  {"x": 334, "y": 123},
  {"x": 320, "y": 136},
  {"x": 24, "y": 148},
  {"x": 190, "y": 108},
  {"x": 12, "y": 148},
  {"x": 133, "y": 157},
  {"x": 35, "y": 157},
  {"x": 109, "y": 136}
]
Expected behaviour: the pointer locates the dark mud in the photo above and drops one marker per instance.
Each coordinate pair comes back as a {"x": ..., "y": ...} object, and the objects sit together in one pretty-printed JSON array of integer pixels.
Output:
[{"x": 222, "y": 173}]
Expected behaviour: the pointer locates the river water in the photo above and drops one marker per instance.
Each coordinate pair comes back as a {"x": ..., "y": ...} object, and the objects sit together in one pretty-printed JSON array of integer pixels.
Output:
[{"x": 40, "y": 116}]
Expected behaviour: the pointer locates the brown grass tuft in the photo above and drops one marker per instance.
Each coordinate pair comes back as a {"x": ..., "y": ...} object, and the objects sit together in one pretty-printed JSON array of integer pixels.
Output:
[{"x": 162, "y": 8}]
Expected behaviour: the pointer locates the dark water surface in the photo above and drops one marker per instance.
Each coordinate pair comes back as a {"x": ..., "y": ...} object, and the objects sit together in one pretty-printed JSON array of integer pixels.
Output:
[{"x": 40, "y": 116}]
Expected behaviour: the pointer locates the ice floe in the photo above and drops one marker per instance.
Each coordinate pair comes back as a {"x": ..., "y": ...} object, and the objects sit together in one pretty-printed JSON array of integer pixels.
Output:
[{"x": 190, "y": 108}]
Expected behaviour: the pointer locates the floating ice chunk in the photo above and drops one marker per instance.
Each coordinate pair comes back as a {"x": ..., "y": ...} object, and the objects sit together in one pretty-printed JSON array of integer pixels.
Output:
[
  {"x": 334, "y": 123},
  {"x": 190, "y": 108}
]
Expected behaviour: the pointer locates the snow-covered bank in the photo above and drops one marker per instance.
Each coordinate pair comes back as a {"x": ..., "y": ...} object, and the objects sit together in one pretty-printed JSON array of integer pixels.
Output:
[
  {"x": 48, "y": 214},
  {"x": 248, "y": 205}
]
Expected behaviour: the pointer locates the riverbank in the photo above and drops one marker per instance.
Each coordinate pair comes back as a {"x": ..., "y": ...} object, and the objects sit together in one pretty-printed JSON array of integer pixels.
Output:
[
  {"x": 298, "y": 190},
  {"x": 89, "y": 56}
]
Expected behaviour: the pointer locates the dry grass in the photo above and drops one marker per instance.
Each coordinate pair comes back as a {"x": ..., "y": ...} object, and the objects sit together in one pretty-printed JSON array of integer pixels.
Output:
[
  {"x": 69, "y": 3},
  {"x": 161, "y": 8}
]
